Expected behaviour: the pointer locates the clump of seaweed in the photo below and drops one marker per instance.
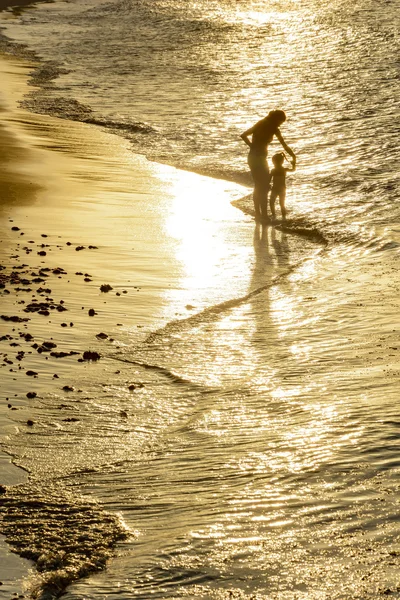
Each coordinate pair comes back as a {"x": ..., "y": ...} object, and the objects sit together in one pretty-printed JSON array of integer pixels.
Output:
[{"x": 67, "y": 537}]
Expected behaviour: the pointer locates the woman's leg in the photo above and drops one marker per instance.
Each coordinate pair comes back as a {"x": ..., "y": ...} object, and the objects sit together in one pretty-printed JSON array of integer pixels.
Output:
[
  {"x": 259, "y": 172},
  {"x": 264, "y": 194},
  {"x": 256, "y": 200}
]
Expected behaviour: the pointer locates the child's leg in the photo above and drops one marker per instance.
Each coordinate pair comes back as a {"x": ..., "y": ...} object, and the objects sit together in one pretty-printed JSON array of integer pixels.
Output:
[
  {"x": 272, "y": 199},
  {"x": 282, "y": 198}
]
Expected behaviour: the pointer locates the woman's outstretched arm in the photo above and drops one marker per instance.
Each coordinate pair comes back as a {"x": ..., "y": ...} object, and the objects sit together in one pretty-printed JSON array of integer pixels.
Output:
[{"x": 284, "y": 144}]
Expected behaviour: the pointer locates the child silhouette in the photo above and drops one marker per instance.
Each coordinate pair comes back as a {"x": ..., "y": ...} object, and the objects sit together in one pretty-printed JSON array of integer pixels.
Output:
[{"x": 278, "y": 178}]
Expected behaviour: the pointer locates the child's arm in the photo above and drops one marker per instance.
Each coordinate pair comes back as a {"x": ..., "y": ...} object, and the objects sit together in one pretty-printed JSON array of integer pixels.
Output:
[{"x": 293, "y": 167}]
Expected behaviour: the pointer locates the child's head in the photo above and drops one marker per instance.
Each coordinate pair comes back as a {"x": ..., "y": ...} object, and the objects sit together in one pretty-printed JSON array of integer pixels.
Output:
[{"x": 278, "y": 159}]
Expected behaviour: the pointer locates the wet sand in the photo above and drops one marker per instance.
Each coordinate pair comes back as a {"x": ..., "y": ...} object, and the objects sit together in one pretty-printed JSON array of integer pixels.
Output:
[{"x": 77, "y": 212}]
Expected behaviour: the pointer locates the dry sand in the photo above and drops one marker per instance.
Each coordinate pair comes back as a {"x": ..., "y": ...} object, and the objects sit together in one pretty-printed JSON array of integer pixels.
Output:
[{"x": 78, "y": 210}]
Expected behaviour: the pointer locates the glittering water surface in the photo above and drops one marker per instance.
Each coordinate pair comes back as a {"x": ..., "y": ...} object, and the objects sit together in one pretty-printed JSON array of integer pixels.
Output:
[{"x": 260, "y": 459}]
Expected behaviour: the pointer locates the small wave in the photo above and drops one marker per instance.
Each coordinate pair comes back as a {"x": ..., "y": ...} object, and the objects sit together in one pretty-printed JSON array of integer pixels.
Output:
[
  {"x": 162, "y": 370},
  {"x": 214, "y": 312},
  {"x": 66, "y": 536},
  {"x": 66, "y": 108},
  {"x": 388, "y": 246},
  {"x": 295, "y": 226}
]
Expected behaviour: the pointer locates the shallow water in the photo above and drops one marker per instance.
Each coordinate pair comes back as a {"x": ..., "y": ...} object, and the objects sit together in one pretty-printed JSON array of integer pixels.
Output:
[
  {"x": 260, "y": 457},
  {"x": 182, "y": 81}
]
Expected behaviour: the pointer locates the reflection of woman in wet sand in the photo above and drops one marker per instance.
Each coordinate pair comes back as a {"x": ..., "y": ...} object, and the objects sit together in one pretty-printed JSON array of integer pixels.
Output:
[{"x": 262, "y": 135}]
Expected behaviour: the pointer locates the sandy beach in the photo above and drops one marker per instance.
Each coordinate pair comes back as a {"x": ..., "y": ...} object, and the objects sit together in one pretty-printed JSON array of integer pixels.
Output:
[{"x": 79, "y": 211}]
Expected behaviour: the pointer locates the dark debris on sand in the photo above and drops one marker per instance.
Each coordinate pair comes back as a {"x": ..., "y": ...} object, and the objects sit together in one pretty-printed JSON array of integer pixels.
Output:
[
  {"x": 20, "y": 279},
  {"x": 67, "y": 537}
]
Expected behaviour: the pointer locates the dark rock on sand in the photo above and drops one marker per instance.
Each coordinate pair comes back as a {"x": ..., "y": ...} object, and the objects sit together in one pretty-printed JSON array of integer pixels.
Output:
[
  {"x": 106, "y": 287},
  {"x": 88, "y": 355},
  {"x": 63, "y": 354},
  {"x": 49, "y": 345},
  {"x": 31, "y": 395},
  {"x": 13, "y": 319}
]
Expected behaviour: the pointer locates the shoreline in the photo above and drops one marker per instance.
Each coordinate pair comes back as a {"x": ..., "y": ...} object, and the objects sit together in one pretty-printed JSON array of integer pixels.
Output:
[{"x": 60, "y": 185}]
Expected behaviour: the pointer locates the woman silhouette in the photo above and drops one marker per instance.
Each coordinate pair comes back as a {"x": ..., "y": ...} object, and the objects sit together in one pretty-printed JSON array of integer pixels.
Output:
[{"x": 262, "y": 134}]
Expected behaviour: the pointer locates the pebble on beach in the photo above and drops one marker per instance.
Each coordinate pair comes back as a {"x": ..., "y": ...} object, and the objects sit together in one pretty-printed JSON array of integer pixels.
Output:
[{"x": 89, "y": 355}]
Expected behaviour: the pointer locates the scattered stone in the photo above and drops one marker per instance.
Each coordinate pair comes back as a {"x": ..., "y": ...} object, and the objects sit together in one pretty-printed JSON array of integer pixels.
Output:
[
  {"x": 43, "y": 308},
  {"x": 13, "y": 319},
  {"x": 102, "y": 336},
  {"x": 106, "y": 287},
  {"x": 28, "y": 337},
  {"x": 42, "y": 253},
  {"x": 55, "y": 376},
  {"x": 88, "y": 355},
  {"x": 123, "y": 414},
  {"x": 92, "y": 312},
  {"x": 31, "y": 395},
  {"x": 87, "y": 279},
  {"x": 63, "y": 354},
  {"x": 46, "y": 347},
  {"x": 29, "y": 423},
  {"x": 70, "y": 420},
  {"x": 132, "y": 387},
  {"x": 14, "y": 228},
  {"x": 80, "y": 248},
  {"x": 31, "y": 373},
  {"x": 68, "y": 388}
]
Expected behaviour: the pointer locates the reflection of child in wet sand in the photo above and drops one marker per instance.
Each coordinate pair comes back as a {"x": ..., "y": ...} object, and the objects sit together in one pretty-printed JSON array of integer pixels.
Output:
[{"x": 278, "y": 179}]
